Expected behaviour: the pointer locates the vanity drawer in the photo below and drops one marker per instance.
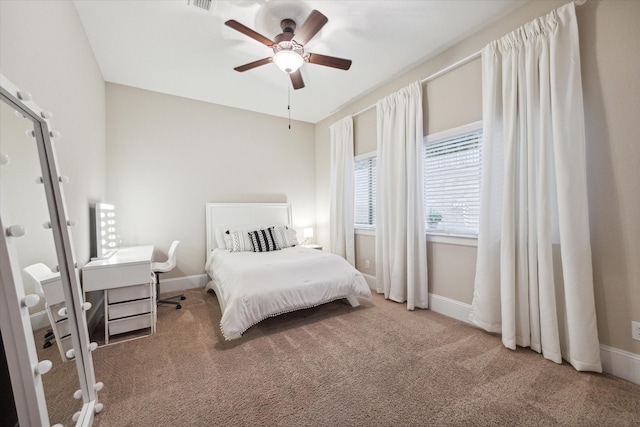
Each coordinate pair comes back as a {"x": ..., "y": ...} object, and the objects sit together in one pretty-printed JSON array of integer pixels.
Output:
[
  {"x": 129, "y": 293},
  {"x": 132, "y": 308},
  {"x": 63, "y": 328},
  {"x": 97, "y": 278},
  {"x": 130, "y": 324}
]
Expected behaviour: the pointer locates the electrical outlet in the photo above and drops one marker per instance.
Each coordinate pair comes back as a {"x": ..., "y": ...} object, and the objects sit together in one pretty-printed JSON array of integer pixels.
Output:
[
  {"x": 635, "y": 330},
  {"x": 367, "y": 264}
]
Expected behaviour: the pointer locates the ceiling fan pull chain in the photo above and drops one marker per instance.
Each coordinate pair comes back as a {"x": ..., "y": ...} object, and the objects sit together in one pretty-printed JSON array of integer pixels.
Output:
[{"x": 289, "y": 103}]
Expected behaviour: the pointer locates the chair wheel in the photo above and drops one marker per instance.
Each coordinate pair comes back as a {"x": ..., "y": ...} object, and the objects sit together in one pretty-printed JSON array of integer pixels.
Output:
[
  {"x": 178, "y": 307},
  {"x": 182, "y": 298},
  {"x": 47, "y": 344}
]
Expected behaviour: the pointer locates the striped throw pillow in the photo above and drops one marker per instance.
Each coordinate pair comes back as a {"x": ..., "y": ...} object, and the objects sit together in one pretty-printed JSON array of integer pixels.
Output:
[{"x": 264, "y": 240}]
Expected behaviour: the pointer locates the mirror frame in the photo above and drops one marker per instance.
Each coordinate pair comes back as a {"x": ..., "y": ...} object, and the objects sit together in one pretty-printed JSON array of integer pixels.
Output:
[{"x": 21, "y": 356}]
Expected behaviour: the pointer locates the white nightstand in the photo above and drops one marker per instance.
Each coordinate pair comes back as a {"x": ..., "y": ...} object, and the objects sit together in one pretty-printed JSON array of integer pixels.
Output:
[{"x": 318, "y": 247}]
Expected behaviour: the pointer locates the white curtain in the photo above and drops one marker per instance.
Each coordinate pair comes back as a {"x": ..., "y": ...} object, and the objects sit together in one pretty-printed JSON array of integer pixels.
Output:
[
  {"x": 401, "y": 247},
  {"x": 342, "y": 190},
  {"x": 534, "y": 279}
]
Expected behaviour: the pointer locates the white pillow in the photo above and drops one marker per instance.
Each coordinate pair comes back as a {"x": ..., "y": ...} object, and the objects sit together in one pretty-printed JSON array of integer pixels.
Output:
[
  {"x": 238, "y": 241},
  {"x": 220, "y": 232},
  {"x": 285, "y": 236},
  {"x": 292, "y": 236}
]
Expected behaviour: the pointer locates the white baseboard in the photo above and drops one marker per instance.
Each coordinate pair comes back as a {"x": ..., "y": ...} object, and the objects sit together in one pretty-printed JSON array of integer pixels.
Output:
[
  {"x": 620, "y": 363},
  {"x": 371, "y": 281},
  {"x": 450, "y": 307},
  {"x": 182, "y": 283},
  {"x": 39, "y": 320}
]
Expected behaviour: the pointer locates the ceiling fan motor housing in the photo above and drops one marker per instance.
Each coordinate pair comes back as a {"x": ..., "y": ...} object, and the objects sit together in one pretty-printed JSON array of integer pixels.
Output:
[
  {"x": 288, "y": 25},
  {"x": 285, "y": 41},
  {"x": 288, "y": 31}
]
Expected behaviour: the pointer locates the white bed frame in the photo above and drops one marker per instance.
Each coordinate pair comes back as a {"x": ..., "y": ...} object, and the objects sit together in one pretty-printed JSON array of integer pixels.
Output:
[{"x": 237, "y": 214}]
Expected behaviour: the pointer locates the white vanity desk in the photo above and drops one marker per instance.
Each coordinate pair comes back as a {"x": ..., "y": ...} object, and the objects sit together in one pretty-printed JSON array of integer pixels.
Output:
[{"x": 128, "y": 284}]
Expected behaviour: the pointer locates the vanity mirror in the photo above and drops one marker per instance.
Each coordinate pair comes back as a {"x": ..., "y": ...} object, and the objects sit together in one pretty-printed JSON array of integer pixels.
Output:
[{"x": 35, "y": 238}]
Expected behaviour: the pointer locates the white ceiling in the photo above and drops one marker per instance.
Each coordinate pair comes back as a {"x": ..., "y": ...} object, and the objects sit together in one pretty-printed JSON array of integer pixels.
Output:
[{"x": 175, "y": 48}]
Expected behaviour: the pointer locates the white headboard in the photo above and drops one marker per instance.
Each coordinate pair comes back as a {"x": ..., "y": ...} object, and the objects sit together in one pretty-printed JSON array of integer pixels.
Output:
[{"x": 236, "y": 214}]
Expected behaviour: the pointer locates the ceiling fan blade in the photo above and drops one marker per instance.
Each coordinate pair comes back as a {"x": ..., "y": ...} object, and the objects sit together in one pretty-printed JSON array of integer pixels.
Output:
[
  {"x": 329, "y": 61},
  {"x": 253, "y": 64},
  {"x": 310, "y": 28},
  {"x": 249, "y": 32},
  {"x": 296, "y": 79}
]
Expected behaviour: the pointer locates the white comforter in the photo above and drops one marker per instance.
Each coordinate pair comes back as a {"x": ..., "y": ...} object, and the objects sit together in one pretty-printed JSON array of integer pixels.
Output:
[{"x": 254, "y": 286}]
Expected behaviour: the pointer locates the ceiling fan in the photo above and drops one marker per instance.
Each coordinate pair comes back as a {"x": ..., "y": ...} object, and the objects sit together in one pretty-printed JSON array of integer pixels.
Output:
[{"x": 288, "y": 47}]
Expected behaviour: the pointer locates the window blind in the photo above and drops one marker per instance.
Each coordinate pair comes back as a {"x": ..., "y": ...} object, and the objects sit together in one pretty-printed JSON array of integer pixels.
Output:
[
  {"x": 365, "y": 192},
  {"x": 452, "y": 183}
]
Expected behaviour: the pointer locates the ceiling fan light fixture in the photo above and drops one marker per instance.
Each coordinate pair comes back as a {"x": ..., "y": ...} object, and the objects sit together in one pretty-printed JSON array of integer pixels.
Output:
[{"x": 288, "y": 60}]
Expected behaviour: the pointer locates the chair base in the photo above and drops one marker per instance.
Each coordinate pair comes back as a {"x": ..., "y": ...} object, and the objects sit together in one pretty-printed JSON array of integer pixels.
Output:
[{"x": 167, "y": 300}]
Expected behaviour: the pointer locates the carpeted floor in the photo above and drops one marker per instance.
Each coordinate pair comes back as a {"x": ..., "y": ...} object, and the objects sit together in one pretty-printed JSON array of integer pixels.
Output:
[{"x": 334, "y": 365}]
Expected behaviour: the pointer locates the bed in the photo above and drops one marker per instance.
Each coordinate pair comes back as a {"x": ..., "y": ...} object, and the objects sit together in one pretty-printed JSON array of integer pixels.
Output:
[{"x": 252, "y": 286}]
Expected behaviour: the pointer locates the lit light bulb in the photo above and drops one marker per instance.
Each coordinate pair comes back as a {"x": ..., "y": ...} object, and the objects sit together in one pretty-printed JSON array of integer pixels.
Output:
[{"x": 288, "y": 61}]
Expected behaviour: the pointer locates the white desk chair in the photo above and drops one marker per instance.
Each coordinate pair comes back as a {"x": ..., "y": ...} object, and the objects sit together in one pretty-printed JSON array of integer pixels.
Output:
[
  {"x": 49, "y": 287},
  {"x": 164, "y": 267}
]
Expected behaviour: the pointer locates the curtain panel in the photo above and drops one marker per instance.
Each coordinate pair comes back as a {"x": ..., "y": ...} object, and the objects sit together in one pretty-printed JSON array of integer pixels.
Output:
[
  {"x": 401, "y": 247},
  {"x": 534, "y": 282},
  {"x": 341, "y": 216}
]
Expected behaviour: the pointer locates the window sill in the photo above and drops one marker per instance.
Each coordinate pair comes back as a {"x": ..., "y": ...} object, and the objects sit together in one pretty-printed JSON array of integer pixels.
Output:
[
  {"x": 365, "y": 231},
  {"x": 451, "y": 239}
]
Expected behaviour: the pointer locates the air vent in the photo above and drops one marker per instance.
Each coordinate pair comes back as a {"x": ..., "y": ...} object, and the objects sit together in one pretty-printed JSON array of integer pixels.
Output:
[{"x": 202, "y": 4}]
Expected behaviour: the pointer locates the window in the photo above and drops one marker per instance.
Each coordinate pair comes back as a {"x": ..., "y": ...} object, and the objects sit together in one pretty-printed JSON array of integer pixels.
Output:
[
  {"x": 451, "y": 162},
  {"x": 365, "y": 191}
]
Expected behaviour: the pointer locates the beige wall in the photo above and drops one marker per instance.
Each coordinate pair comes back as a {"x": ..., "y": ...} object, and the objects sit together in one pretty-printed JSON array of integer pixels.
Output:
[
  {"x": 609, "y": 36},
  {"x": 44, "y": 50},
  {"x": 168, "y": 156},
  {"x": 610, "y": 62}
]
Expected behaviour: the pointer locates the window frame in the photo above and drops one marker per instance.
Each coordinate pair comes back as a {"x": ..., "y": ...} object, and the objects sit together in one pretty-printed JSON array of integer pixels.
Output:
[
  {"x": 443, "y": 236},
  {"x": 362, "y": 228}
]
